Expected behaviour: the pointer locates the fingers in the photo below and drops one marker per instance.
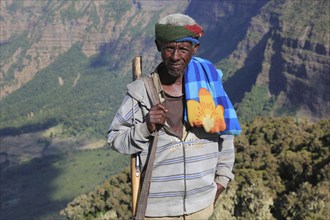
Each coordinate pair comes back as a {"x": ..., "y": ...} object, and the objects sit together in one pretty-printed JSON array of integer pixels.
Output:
[
  {"x": 220, "y": 189},
  {"x": 156, "y": 116}
]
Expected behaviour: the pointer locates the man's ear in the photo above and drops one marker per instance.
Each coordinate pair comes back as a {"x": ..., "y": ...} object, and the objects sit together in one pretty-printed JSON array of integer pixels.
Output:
[
  {"x": 195, "y": 48},
  {"x": 158, "y": 45}
]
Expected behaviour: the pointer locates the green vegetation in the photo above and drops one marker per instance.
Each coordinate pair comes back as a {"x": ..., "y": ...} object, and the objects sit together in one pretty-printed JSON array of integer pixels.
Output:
[
  {"x": 81, "y": 170},
  {"x": 13, "y": 44},
  {"x": 111, "y": 199},
  {"x": 70, "y": 13},
  {"x": 8, "y": 49},
  {"x": 51, "y": 181},
  {"x": 255, "y": 103},
  {"x": 83, "y": 107},
  {"x": 281, "y": 172},
  {"x": 95, "y": 17},
  {"x": 227, "y": 67},
  {"x": 313, "y": 23},
  {"x": 285, "y": 156},
  {"x": 119, "y": 8},
  {"x": 14, "y": 6}
]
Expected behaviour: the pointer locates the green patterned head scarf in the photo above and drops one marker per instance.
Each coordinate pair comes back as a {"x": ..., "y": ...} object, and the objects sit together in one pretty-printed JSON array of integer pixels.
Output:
[{"x": 177, "y": 26}]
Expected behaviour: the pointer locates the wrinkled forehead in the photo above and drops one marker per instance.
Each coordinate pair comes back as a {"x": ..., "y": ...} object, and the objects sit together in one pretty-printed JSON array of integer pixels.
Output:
[{"x": 186, "y": 44}]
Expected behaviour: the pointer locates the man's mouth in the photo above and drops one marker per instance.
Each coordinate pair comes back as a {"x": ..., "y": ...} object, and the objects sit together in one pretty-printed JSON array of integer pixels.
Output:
[{"x": 175, "y": 65}]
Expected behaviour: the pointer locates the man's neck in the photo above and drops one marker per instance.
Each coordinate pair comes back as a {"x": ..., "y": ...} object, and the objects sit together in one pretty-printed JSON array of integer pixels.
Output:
[{"x": 171, "y": 85}]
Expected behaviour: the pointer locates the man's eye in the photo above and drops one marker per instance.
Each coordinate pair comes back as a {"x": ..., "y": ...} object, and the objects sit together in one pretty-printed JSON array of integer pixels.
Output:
[
  {"x": 168, "y": 49},
  {"x": 184, "y": 50}
]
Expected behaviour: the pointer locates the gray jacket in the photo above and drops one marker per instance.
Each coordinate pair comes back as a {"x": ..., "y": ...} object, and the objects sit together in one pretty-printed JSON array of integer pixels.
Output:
[{"x": 185, "y": 170}]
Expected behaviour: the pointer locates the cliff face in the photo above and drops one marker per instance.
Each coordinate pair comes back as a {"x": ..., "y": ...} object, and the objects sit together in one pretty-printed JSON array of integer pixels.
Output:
[
  {"x": 300, "y": 77},
  {"x": 301, "y": 73},
  {"x": 285, "y": 52}
]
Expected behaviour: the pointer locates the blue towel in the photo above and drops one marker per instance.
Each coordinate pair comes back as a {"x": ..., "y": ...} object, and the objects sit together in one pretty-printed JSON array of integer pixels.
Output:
[{"x": 201, "y": 73}]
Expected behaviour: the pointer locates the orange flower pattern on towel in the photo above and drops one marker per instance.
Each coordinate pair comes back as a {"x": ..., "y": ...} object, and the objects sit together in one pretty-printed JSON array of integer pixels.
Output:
[{"x": 205, "y": 113}]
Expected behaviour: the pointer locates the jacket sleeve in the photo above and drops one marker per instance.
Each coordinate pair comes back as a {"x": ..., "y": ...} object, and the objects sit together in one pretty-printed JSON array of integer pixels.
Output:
[
  {"x": 226, "y": 159},
  {"x": 128, "y": 131}
]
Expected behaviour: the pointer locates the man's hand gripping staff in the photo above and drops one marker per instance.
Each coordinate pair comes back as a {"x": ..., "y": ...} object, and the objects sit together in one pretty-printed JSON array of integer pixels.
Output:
[{"x": 156, "y": 116}]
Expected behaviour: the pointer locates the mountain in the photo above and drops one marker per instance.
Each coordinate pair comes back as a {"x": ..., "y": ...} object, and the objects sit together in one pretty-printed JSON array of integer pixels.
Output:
[
  {"x": 65, "y": 65},
  {"x": 61, "y": 57}
]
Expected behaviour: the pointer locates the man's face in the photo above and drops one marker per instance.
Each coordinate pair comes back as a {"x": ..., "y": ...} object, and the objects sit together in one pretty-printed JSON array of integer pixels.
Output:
[{"x": 176, "y": 56}]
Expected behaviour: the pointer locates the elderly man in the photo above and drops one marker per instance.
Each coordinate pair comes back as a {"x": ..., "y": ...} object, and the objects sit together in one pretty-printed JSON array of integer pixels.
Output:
[{"x": 195, "y": 120}]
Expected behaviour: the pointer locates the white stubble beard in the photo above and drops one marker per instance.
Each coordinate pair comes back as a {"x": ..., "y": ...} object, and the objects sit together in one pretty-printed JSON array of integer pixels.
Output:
[{"x": 174, "y": 73}]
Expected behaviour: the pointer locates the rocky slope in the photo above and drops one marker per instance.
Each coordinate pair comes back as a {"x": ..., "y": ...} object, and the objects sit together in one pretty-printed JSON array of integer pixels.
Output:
[{"x": 285, "y": 52}]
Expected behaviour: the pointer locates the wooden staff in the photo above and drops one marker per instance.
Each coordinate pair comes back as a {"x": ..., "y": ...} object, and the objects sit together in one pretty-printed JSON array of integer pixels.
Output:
[{"x": 135, "y": 169}]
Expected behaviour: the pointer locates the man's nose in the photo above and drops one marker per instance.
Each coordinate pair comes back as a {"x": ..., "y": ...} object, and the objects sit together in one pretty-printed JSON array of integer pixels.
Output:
[{"x": 175, "y": 54}]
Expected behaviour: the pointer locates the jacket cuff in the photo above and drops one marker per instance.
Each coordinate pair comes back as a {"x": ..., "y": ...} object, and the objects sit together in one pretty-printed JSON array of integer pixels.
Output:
[
  {"x": 144, "y": 130},
  {"x": 224, "y": 176},
  {"x": 222, "y": 180}
]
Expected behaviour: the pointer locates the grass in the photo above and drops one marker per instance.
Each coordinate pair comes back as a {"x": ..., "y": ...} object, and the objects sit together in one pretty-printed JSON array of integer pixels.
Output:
[
  {"x": 83, "y": 171},
  {"x": 41, "y": 187}
]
